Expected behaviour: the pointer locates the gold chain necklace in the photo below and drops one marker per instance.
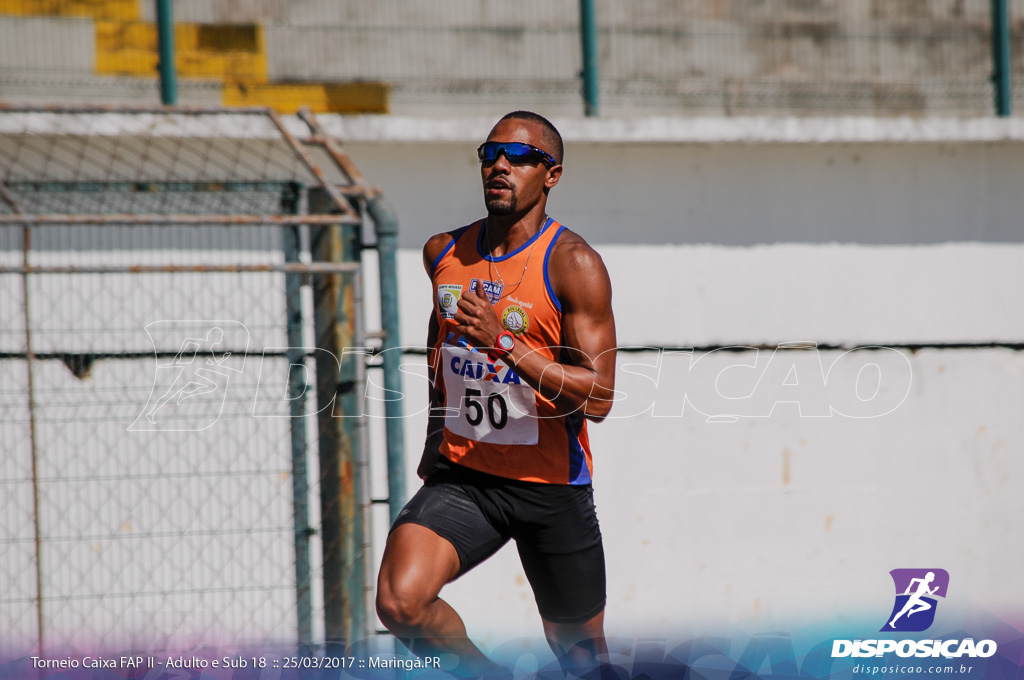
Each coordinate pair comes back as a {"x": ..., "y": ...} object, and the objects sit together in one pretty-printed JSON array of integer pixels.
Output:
[{"x": 491, "y": 264}]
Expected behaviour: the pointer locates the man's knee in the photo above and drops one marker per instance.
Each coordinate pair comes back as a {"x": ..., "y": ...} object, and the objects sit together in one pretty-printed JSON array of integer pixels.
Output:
[
  {"x": 401, "y": 606},
  {"x": 392, "y": 610},
  {"x": 416, "y": 565}
]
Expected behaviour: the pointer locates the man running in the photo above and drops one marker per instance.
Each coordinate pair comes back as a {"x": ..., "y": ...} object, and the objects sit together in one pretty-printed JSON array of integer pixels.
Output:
[{"x": 523, "y": 354}]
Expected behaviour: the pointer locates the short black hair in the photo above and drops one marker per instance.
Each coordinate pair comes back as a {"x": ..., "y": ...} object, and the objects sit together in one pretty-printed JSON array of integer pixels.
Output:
[{"x": 552, "y": 138}]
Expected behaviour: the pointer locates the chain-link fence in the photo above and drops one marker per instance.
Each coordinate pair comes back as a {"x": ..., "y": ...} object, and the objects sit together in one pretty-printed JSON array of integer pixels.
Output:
[
  {"x": 818, "y": 57},
  {"x": 162, "y": 286}
]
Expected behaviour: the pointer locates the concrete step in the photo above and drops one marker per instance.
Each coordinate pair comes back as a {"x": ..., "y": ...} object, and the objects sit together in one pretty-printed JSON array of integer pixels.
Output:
[
  {"x": 76, "y": 87},
  {"x": 201, "y": 50},
  {"x": 46, "y": 44},
  {"x": 124, "y": 10}
]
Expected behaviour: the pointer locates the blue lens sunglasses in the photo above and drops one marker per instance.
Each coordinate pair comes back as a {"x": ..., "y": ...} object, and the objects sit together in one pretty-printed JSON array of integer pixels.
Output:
[{"x": 515, "y": 152}]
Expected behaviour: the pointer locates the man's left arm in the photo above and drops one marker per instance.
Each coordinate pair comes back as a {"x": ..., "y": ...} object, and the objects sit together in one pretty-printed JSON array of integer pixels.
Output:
[{"x": 582, "y": 375}]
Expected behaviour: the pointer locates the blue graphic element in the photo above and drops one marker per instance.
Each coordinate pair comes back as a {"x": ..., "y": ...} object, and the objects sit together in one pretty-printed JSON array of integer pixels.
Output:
[
  {"x": 923, "y": 606},
  {"x": 915, "y": 607}
]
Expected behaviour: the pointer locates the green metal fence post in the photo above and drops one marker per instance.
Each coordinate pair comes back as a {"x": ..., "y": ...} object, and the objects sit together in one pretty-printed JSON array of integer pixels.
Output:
[
  {"x": 165, "y": 37},
  {"x": 1001, "y": 68},
  {"x": 588, "y": 38},
  {"x": 343, "y": 500},
  {"x": 385, "y": 222},
  {"x": 296, "y": 390}
]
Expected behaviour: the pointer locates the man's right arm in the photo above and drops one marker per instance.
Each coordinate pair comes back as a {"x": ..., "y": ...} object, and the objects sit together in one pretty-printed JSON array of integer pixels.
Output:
[
  {"x": 435, "y": 413},
  {"x": 435, "y": 410}
]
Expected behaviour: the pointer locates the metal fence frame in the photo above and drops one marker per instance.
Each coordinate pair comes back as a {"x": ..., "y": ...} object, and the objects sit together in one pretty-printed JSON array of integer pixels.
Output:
[{"x": 335, "y": 244}]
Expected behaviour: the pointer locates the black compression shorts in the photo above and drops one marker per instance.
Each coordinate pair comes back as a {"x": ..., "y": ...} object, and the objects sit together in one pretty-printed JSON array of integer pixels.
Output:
[{"x": 555, "y": 528}]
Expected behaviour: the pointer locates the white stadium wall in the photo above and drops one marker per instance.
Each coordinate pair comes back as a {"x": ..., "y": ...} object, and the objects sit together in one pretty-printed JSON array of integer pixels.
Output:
[{"x": 845, "y": 234}]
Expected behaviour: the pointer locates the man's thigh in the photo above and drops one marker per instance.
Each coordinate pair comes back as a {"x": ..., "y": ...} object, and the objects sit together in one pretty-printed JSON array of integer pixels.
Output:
[
  {"x": 559, "y": 542},
  {"x": 415, "y": 566},
  {"x": 457, "y": 513}
]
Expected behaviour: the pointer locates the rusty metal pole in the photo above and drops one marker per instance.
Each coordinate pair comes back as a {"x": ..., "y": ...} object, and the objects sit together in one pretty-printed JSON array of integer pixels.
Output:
[
  {"x": 26, "y": 245},
  {"x": 343, "y": 500},
  {"x": 385, "y": 221}
]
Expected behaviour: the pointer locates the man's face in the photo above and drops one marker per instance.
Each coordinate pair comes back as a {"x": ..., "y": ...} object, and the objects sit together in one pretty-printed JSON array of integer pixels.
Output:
[{"x": 511, "y": 188}]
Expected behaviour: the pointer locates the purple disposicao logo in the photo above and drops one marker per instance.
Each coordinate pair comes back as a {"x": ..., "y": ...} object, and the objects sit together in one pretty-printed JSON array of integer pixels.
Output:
[{"x": 916, "y": 593}]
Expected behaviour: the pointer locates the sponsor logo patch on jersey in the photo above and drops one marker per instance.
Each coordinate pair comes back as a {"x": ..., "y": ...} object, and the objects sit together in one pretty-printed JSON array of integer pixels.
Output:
[
  {"x": 492, "y": 289},
  {"x": 515, "y": 319},
  {"x": 448, "y": 295}
]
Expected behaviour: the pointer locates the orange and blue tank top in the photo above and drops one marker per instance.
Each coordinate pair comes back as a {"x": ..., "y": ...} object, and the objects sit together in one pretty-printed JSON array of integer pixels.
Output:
[{"x": 495, "y": 422}]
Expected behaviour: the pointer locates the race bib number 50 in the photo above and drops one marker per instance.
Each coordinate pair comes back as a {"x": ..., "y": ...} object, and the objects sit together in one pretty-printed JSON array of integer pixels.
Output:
[{"x": 487, "y": 402}]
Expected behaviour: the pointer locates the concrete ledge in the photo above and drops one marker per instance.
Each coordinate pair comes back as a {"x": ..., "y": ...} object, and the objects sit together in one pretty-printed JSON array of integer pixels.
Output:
[
  {"x": 704, "y": 130},
  {"x": 72, "y": 89},
  {"x": 377, "y": 128}
]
